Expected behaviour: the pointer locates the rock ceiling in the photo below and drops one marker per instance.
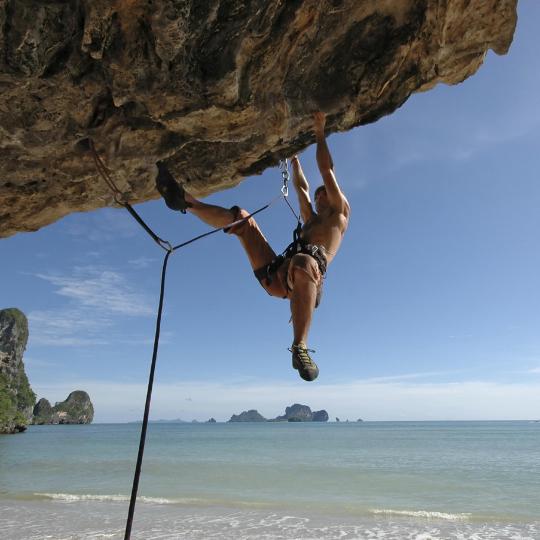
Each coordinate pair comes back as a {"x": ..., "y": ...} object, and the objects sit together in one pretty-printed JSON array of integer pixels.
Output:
[{"x": 219, "y": 89}]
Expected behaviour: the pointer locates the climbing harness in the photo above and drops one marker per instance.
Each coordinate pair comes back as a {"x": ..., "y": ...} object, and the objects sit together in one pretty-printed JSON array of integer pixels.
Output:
[{"x": 169, "y": 249}]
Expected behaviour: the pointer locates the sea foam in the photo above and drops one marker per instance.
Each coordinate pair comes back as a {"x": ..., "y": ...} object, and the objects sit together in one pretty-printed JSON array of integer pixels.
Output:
[
  {"x": 428, "y": 514},
  {"x": 72, "y": 498}
]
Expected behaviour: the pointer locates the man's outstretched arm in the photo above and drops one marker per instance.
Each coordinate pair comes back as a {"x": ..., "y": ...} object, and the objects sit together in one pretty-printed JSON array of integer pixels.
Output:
[
  {"x": 302, "y": 189},
  {"x": 326, "y": 165}
]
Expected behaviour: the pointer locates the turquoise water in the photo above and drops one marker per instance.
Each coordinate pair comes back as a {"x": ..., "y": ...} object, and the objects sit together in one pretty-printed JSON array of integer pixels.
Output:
[{"x": 451, "y": 478}]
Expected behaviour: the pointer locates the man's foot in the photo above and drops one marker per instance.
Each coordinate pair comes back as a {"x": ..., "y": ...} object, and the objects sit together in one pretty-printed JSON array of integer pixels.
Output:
[
  {"x": 172, "y": 192},
  {"x": 301, "y": 361}
]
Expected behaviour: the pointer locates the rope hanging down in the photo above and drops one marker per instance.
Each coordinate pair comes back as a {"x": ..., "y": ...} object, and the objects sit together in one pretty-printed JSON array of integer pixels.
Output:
[{"x": 169, "y": 248}]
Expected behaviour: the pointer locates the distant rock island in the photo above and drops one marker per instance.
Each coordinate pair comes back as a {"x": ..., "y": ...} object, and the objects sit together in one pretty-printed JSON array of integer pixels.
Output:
[
  {"x": 302, "y": 413},
  {"x": 248, "y": 416},
  {"x": 76, "y": 409},
  {"x": 294, "y": 413}
]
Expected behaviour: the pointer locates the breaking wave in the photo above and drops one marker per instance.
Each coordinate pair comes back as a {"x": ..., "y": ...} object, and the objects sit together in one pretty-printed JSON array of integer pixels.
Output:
[
  {"x": 69, "y": 497},
  {"x": 428, "y": 514}
]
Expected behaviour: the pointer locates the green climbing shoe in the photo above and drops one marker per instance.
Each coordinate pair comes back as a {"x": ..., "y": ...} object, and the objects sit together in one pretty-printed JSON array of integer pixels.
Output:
[
  {"x": 170, "y": 189},
  {"x": 301, "y": 361}
]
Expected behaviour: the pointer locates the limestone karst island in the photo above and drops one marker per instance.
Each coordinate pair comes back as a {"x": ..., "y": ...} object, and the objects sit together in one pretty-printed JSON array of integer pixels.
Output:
[{"x": 18, "y": 407}]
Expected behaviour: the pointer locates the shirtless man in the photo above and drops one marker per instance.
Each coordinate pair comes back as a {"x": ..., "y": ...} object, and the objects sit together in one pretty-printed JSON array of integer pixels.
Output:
[{"x": 298, "y": 273}]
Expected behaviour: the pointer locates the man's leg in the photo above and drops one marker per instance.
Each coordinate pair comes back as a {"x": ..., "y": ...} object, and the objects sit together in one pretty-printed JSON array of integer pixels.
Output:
[
  {"x": 215, "y": 216},
  {"x": 304, "y": 277},
  {"x": 253, "y": 241},
  {"x": 303, "y": 296}
]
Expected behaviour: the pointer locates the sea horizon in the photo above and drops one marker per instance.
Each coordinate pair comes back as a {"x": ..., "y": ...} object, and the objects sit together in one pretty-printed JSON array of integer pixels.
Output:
[{"x": 272, "y": 421}]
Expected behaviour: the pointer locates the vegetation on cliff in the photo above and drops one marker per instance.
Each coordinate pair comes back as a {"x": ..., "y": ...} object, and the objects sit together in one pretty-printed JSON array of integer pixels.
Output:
[
  {"x": 76, "y": 409},
  {"x": 16, "y": 396}
]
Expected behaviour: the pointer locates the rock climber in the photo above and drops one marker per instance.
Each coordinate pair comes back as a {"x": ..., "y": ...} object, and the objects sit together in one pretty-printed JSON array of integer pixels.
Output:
[{"x": 298, "y": 273}]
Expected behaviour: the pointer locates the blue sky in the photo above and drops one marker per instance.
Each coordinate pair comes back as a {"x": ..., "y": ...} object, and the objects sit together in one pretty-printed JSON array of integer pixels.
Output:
[{"x": 430, "y": 310}]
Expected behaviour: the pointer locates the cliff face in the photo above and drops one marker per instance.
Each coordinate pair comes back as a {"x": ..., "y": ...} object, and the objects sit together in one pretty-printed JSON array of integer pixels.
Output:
[
  {"x": 76, "y": 409},
  {"x": 218, "y": 89},
  {"x": 16, "y": 396}
]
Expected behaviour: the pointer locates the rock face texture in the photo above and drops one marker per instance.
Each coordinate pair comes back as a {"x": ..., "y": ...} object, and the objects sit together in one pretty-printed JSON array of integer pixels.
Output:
[
  {"x": 16, "y": 396},
  {"x": 248, "y": 416},
  {"x": 218, "y": 89},
  {"x": 76, "y": 409}
]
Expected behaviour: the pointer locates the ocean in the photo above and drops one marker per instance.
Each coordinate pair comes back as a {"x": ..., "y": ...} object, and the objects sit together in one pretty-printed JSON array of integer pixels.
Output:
[{"x": 384, "y": 480}]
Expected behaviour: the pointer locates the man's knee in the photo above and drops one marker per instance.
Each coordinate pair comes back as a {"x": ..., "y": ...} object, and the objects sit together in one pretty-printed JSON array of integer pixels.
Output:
[{"x": 238, "y": 214}]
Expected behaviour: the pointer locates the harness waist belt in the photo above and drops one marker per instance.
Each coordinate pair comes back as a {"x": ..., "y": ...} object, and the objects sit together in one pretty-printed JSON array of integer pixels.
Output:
[{"x": 267, "y": 272}]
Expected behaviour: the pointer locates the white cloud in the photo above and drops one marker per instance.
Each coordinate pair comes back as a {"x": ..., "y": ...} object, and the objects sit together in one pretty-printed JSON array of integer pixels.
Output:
[
  {"x": 96, "y": 298},
  {"x": 141, "y": 262},
  {"x": 67, "y": 327},
  {"x": 407, "y": 376},
  {"x": 105, "y": 290},
  {"x": 467, "y": 400}
]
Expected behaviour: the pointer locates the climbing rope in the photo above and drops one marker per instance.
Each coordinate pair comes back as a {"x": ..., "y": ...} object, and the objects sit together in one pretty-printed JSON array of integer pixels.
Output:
[
  {"x": 120, "y": 199},
  {"x": 169, "y": 249}
]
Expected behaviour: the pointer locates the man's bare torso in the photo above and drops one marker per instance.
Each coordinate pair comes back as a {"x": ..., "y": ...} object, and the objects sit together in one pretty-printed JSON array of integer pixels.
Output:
[{"x": 326, "y": 229}]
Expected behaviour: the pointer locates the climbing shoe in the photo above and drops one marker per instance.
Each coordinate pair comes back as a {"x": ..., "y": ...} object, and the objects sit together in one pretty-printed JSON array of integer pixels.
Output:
[
  {"x": 301, "y": 361},
  {"x": 171, "y": 191}
]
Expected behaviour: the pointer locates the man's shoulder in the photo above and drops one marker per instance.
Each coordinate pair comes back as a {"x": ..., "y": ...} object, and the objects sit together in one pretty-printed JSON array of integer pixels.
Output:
[
  {"x": 340, "y": 203},
  {"x": 333, "y": 217},
  {"x": 344, "y": 209}
]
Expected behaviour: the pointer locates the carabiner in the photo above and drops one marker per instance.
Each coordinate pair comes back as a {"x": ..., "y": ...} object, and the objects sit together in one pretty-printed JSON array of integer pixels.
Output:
[{"x": 284, "y": 166}]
